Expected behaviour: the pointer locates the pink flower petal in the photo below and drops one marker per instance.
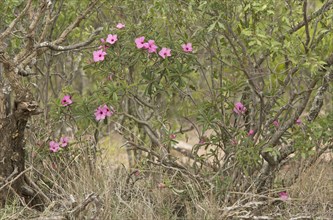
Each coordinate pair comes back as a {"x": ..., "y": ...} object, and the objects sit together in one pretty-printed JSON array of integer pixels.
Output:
[
  {"x": 66, "y": 100},
  {"x": 140, "y": 42},
  {"x": 165, "y": 52},
  {"x": 187, "y": 47},
  {"x": 251, "y": 132},
  {"x": 99, "y": 55},
  {"x": 111, "y": 39},
  {"x": 120, "y": 26},
  {"x": 239, "y": 108}
]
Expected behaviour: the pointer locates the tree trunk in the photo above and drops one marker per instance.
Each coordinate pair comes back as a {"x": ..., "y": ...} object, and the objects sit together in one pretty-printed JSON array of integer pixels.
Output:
[
  {"x": 12, "y": 142},
  {"x": 35, "y": 22}
]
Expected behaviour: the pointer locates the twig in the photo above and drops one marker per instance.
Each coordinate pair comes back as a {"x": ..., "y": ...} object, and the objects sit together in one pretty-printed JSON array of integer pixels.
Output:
[
  {"x": 75, "y": 23},
  {"x": 14, "y": 22},
  {"x": 42, "y": 195},
  {"x": 8, "y": 181},
  {"x": 79, "y": 208},
  {"x": 306, "y": 24}
]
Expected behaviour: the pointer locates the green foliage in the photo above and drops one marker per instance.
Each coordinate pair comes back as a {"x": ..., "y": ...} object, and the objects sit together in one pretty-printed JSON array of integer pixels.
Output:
[
  {"x": 228, "y": 39},
  {"x": 244, "y": 51}
]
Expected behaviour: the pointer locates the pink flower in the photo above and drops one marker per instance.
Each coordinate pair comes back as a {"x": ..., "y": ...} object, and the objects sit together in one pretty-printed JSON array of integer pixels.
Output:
[
  {"x": 151, "y": 46},
  {"x": 276, "y": 123},
  {"x": 239, "y": 108},
  {"x": 54, "y": 146},
  {"x": 100, "y": 113},
  {"x": 110, "y": 77},
  {"x": 64, "y": 141},
  {"x": 165, "y": 52},
  {"x": 107, "y": 111},
  {"x": 145, "y": 46},
  {"x": 202, "y": 140},
  {"x": 140, "y": 42},
  {"x": 103, "y": 40},
  {"x": 298, "y": 121},
  {"x": 111, "y": 39},
  {"x": 66, "y": 100},
  {"x": 187, "y": 47},
  {"x": 120, "y": 26},
  {"x": 161, "y": 185},
  {"x": 251, "y": 132},
  {"x": 99, "y": 55},
  {"x": 283, "y": 196},
  {"x": 104, "y": 47},
  {"x": 173, "y": 136}
]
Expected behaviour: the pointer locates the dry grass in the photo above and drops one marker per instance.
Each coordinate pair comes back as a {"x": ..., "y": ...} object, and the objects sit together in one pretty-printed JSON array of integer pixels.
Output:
[
  {"x": 125, "y": 195},
  {"x": 313, "y": 191}
]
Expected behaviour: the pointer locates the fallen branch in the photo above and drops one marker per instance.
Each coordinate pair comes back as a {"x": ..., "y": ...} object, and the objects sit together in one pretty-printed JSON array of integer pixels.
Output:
[
  {"x": 9, "y": 180},
  {"x": 80, "y": 207}
]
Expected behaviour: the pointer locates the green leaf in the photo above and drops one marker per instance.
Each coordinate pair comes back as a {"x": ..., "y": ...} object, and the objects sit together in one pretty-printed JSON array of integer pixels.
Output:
[
  {"x": 246, "y": 32},
  {"x": 115, "y": 97},
  {"x": 212, "y": 27}
]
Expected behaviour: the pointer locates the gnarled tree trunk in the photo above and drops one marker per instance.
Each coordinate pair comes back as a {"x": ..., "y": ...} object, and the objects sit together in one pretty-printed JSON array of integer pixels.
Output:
[
  {"x": 35, "y": 22},
  {"x": 12, "y": 127}
]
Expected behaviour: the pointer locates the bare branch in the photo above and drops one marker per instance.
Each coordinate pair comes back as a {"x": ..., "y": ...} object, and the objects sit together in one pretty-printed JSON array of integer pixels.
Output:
[
  {"x": 141, "y": 101},
  {"x": 52, "y": 46},
  {"x": 12, "y": 179},
  {"x": 14, "y": 22},
  {"x": 306, "y": 23},
  {"x": 278, "y": 134},
  {"x": 316, "y": 106},
  {"x": 75, "y": 23},
  {"x": 326, "y": 7},
  {"x": 147, "y": 128}
]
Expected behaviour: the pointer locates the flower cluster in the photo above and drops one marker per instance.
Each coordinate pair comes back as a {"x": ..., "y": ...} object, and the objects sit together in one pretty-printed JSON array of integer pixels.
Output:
[
  {"x": 55, "y": 146},
  {"x": 240, "y": 109},
  {"x": 150, "y": 46},
  {"x": 111, "y": 39},
  {"x": 102, "y": 112}
]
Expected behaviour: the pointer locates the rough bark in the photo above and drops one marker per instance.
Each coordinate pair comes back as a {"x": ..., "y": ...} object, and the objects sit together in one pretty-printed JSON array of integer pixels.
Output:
[
  {"x": 12, "y": 143},
  {"x": 13, "y": 68},
  {"x": 4, "y": 96}
]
